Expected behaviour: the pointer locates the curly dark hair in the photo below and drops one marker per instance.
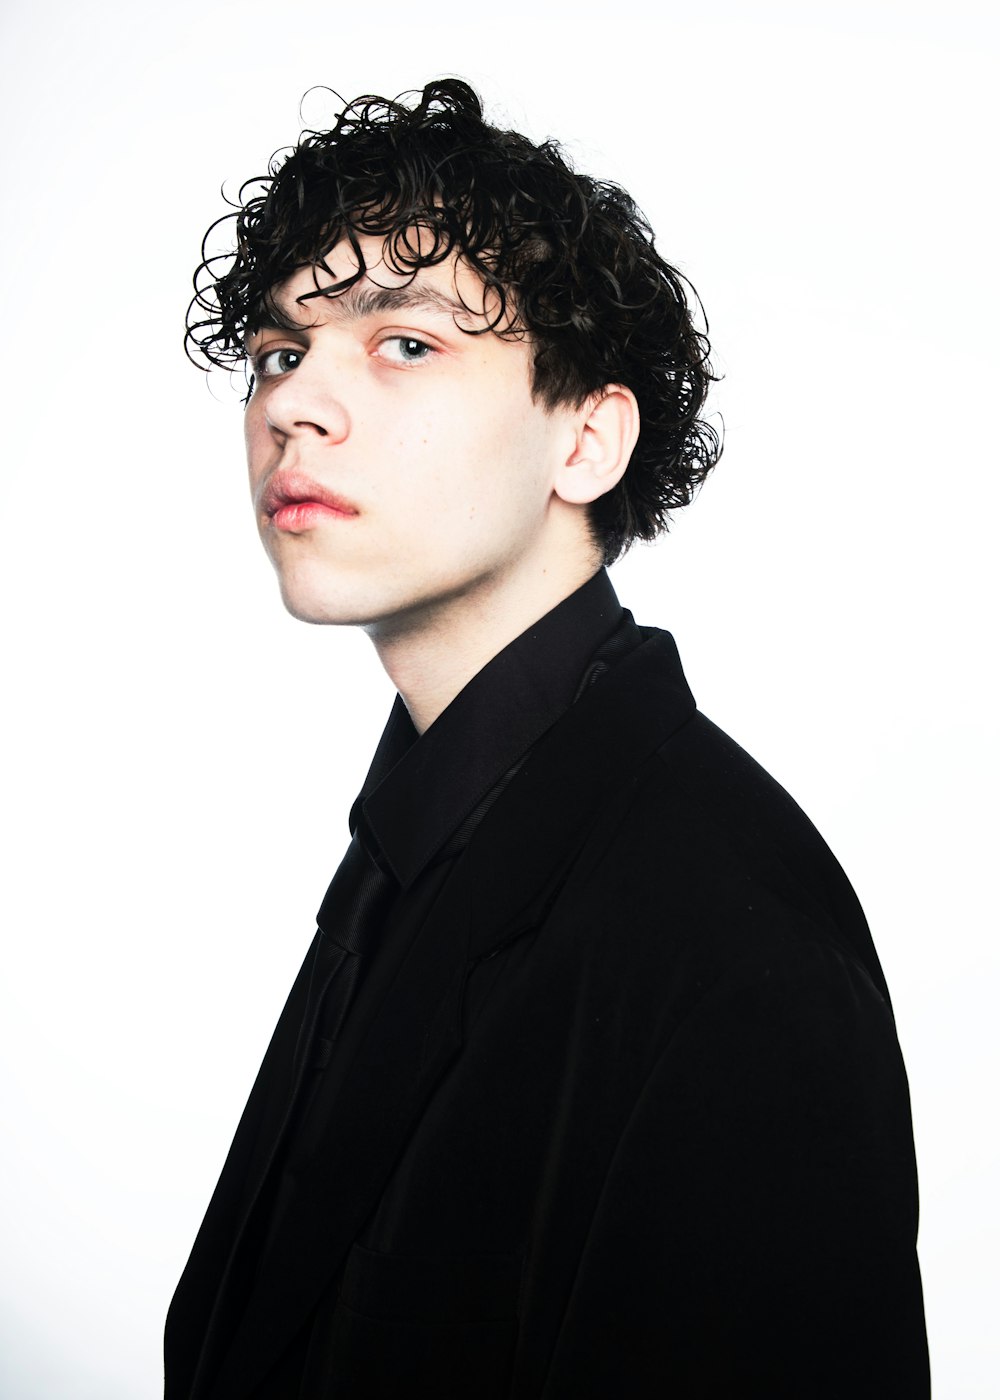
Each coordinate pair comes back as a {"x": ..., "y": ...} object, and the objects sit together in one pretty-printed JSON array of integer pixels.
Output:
[{"x": 569, "y": 261}]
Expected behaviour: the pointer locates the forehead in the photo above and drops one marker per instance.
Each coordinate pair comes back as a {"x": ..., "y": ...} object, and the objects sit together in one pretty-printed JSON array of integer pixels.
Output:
[{"x": 334, "y": 286}]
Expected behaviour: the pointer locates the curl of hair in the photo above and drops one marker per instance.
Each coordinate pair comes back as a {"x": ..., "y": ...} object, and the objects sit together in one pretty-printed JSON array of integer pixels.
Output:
[{"x": 569, "y": 261}]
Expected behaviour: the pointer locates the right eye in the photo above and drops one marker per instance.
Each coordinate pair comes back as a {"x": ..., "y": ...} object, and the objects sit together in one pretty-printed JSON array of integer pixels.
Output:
[{"x": 273, "y": 363}]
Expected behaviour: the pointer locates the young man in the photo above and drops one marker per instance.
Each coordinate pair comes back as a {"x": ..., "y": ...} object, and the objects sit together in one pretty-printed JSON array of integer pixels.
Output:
[{"x": 589, "y": 1084}]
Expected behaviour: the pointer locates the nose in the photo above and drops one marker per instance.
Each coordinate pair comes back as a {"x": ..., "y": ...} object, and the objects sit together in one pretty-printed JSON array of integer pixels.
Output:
[{"x": 305, "y": 404}]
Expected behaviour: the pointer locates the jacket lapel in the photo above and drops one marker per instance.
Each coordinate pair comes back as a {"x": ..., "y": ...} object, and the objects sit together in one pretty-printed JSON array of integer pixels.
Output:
[{"x": 398, "y": 1058}]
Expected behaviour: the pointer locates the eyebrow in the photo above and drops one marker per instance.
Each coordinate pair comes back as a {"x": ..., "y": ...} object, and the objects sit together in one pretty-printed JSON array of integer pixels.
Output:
[{"x": 365, "y": 299}]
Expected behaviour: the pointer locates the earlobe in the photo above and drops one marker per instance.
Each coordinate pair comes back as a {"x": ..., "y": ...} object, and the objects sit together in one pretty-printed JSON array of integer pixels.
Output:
[{"x": 606, "y": 432}]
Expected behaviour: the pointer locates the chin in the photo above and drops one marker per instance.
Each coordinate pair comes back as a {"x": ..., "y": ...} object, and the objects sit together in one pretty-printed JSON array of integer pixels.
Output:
[
  {"x": 307, "y": 606},
  {"x": 385, "y": 603},
  {"x": 310, "y": 591},
  {"x": 327, "y": 602}
]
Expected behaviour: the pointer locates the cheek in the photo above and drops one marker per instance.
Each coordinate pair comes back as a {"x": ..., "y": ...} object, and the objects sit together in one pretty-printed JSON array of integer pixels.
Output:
[
  {"x": 255, "y": 437},
  {"x": 514, "y": 471}
]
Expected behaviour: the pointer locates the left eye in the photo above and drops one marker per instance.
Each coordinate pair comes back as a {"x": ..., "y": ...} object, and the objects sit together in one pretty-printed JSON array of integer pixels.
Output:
[
  {"x": 276, "y": 362},
  {"x": 405, "y": 349}
]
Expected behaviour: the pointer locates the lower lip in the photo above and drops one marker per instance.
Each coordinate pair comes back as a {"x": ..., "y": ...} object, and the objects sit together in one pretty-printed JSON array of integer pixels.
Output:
[{"x": 303, "y": 515}]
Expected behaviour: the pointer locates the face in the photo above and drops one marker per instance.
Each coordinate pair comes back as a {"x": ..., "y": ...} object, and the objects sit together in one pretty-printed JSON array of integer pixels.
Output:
[{"x": 399, "y": 466}]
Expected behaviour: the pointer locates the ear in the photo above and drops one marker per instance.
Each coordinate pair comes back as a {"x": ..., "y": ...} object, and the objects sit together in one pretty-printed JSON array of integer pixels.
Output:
[{"x": 607, "y": 426}]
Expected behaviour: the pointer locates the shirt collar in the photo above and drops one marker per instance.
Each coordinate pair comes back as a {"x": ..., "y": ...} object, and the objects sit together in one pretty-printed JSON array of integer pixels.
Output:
[{"x": 420, "y": 789}]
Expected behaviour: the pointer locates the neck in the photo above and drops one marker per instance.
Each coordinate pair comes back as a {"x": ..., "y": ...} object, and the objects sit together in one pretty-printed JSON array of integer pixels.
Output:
[{"x": 431, "y": 657}]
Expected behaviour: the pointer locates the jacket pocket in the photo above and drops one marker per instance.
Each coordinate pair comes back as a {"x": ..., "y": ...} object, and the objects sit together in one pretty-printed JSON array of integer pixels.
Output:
[{"x": 414, "y": 1325}]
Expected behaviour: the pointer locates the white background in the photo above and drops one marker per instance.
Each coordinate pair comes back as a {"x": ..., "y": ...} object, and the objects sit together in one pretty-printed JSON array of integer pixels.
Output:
[{"x": 180, "y": 755}]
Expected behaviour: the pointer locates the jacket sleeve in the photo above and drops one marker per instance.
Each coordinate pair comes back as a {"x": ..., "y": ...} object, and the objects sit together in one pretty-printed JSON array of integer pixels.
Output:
[{"x": 756, "y": 1233}]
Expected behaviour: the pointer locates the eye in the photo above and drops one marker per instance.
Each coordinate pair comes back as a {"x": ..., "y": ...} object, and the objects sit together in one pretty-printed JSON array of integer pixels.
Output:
[
  {"x": 272, "y": 363},
  {"x": 404, "y": 350}
]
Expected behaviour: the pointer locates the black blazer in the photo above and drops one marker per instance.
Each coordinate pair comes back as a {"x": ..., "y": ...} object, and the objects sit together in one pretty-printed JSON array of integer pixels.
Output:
[{"x": 669, "y": 1156}]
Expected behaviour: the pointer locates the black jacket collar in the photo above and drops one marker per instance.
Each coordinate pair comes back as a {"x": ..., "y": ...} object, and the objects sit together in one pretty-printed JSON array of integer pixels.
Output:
[{"x": 419, "y": 790}]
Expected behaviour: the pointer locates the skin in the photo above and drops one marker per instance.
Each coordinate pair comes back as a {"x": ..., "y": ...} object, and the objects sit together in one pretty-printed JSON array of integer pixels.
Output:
[{"x": 464, "y": 500}]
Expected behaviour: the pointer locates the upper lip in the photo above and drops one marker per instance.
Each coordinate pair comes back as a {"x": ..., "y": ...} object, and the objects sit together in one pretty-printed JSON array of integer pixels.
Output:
[{"x": 286, "y": 487}]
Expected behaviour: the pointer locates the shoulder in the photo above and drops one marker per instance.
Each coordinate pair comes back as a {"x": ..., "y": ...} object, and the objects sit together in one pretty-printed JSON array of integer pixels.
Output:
[
  {"x": 701, "y": 838},
  {"x": 689, "y": 771},
  {"x": 703, "y": 780}
]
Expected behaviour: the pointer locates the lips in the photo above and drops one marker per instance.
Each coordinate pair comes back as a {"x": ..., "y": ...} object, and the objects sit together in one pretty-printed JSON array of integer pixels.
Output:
[{"x": 292, "y": 488}]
